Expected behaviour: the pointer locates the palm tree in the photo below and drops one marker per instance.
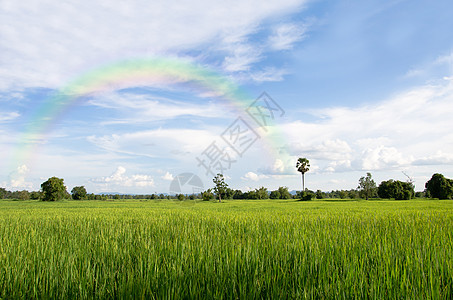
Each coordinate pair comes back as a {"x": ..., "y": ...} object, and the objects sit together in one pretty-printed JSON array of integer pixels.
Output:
[{"x": 303, "y": 166}]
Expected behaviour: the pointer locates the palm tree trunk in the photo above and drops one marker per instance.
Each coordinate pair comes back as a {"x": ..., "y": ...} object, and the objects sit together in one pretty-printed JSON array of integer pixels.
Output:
[
  {"x": 220, "y": 198},
  {"x": 303, "y": 182}
]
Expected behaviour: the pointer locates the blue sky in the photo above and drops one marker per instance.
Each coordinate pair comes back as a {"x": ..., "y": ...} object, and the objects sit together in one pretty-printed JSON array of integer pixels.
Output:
[{"x": 366, "y": 86}]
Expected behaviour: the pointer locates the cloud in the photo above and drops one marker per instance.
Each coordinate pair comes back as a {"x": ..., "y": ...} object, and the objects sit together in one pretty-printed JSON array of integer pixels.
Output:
[
  {"x": 383, "y": 158},
  {"x": 118, "y": 178},
  {"x": 253, "y": 176},
  {"x": 168, "y": 176},
  {"x": 439, "y": 158},
  {"x": 285, "y": 35},
  {"x": 395, "y": 133},
  {"x": 17, "y": 179},
  {"x": 47, "y": 50},
  {"x": 268, "y": 74},
  {"x": 243, "y": 55},
  {"x": 169, "y": 143},
  {"x": 146, "y": 107},
  {"x": 8, "y": 116}
]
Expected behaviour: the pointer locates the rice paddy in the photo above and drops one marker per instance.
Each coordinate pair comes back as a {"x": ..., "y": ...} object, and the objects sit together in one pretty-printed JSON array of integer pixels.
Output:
[{"x": 232, "y": 250}]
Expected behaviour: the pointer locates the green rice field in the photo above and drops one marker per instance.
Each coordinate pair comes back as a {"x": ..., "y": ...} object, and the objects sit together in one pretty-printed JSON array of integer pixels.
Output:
[{"x": 238, "y": 249}]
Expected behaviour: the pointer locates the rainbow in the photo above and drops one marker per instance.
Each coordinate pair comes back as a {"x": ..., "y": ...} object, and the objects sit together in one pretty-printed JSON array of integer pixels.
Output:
[{"x": 125, "y": 74}]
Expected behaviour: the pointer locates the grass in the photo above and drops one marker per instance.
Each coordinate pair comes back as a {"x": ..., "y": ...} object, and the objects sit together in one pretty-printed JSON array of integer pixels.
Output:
[{"x": 235, "y": 249}]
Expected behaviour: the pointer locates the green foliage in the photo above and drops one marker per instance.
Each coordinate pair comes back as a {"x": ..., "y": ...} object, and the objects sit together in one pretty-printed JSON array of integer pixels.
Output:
[
  {"x": 440, "y": 187},
  {"x": 53, "y": 189},
  {"x": 303, "y": 166},
  {"x": 281, "y": 193},
  {"x": 219, "y": 186},
  {"x": 305, "y": 195},
  {"x": 261, "y": 193},
  {"x": 274, "y": 195},
  {"x": 80, "y": 193},
  {"x": 396, "y": 189},
  {"x": 3, "y": 193},
  {"x": 319, "y": 194},
  {"x": 367, "y": 186},
  {"x": 284, "y": 193},
  {"x": 207, "y": 195},
  {"x": 239, "y": 250},
  {"x": 181, "y": 197},
  {"x": 36, "y": 195},
  {"x": 238, "y": 194}
]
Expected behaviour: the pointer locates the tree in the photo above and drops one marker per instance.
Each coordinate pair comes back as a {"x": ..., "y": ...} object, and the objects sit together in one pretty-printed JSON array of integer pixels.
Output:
[
  {"x": 80, "y": 193},
  {"x": 238, "y": 194},
  {"x": 53, "y": 189},
  {"x": 3, "y": 193},
  {"x": 35, "y": 195},
  {"x": 284, "y": 193},
  {"x": 261, "y": 193},
  {"x": 303, "y": 166},
  {"x": 274, "y": 195},
  {"x": 367, "y": 186},
  {"x": 220, "y": 185},
  {"x": 396, "y": 189},
  {"x": 319, "y": 194},
  {"x": 181, "y": 197},
  {"x": 439, "y": 187}
]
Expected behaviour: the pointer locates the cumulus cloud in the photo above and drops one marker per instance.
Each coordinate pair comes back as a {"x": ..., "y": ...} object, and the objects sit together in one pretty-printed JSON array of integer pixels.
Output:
[
  {"x": 17, "y": 179},
  {"x": 120, "y": 179},
  {"x": 168, "y": 176},
  {"x": 396, "y": 133},
  {"x": 253, "y": 176}
]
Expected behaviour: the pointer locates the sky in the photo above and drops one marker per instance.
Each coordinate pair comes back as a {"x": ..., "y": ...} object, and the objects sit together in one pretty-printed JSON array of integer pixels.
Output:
[{"x": 127, "y": 96}]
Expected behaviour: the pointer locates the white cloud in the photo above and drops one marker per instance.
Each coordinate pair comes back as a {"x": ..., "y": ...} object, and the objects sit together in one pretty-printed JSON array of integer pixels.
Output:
[
  {"x": 8, "y": 116},
  {"x": 168, "y": 143},
  {"x": 242, "y": 57},
  {"x": 119, "y": 179},
  {"x": 383, "y": 158},
  {"x": 146, "y": 107},
  {"x": 285, "y": 35},
  {"x": 253, "y": 176},
  {"x": 17, "y": 179},
  {"x": 268, "y": 74},
  {"x": 168, "y": 176},
  {"x": 392, "y": 134},
  {"x": 47, "y": 43}
]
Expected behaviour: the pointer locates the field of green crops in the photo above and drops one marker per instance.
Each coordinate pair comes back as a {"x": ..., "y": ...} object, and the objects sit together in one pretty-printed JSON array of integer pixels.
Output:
[{"x": 236, "y": 249}]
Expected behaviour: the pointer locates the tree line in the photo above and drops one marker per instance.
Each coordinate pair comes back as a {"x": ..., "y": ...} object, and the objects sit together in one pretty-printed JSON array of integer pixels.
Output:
[{"x": 437, "y": 187}]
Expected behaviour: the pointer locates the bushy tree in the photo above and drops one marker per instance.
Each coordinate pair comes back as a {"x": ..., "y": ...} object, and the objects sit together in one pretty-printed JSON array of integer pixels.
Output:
[
  {"x": 261, "y": 193},
  {"x": 80, "y": 193},
  {"x": 439, "y": 187},
  {"x": 396, "y": 189},
  {"x": 181, "y": 197},
  {"x": 367, "y": 186},
  {"x": 220, "y": 185},
  {"x": 53, "y": 189},
  {"x": 3, "y": 193},
  {"x": 35, "y": 195},
  {"x": 305, "y": 195},
  {"x": 284, "y": 193},
  {"x": 238, "y": 194},
  {"x": 274, "y": 195},
  {"x": 319, "y": 194},
  {"x": 207, "y": 195}
]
